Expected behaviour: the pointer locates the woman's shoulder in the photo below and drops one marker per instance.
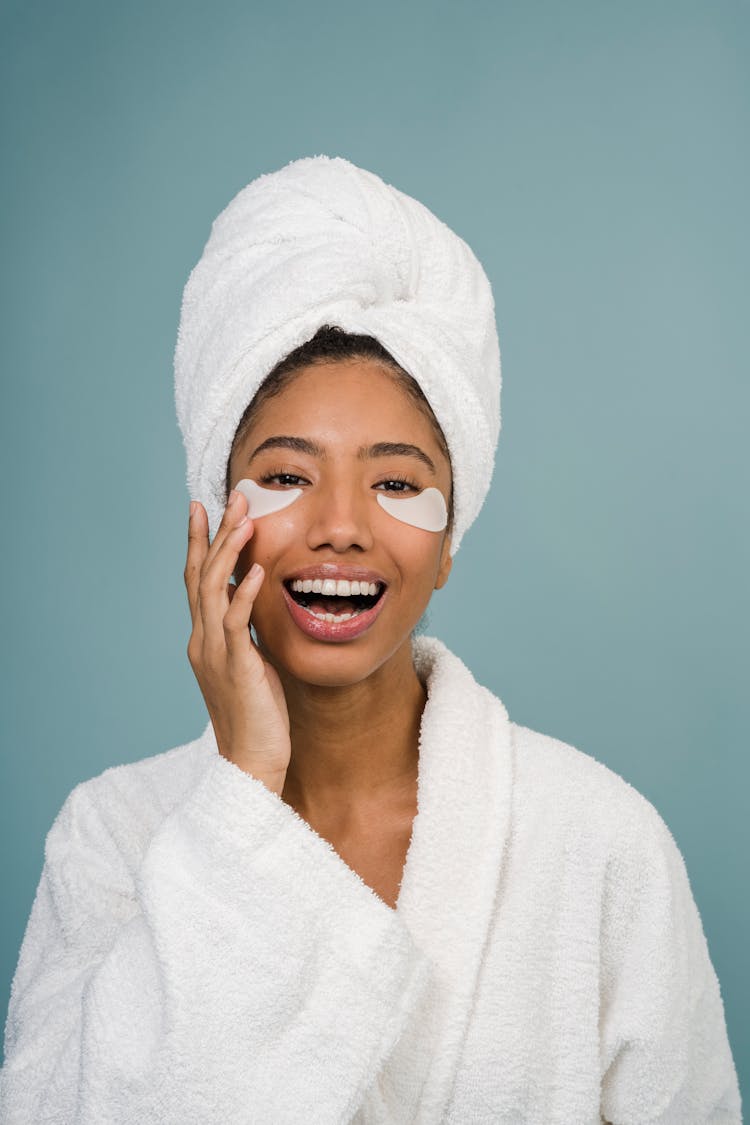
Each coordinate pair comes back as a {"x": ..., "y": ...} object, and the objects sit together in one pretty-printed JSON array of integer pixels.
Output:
[
  {"x": 124, "y": 804},
  {"x": 553, "y": 781},
  {"x": 560, "y": 784},
  {"x": 561, "y": 766}
]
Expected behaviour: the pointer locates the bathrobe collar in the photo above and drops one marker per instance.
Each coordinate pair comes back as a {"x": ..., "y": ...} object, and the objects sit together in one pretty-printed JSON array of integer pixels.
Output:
[{"x": 451, "y": 874}]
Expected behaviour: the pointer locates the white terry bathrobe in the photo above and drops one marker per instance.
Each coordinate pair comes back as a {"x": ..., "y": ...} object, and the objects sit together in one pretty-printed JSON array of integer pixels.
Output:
[{"x": 198, "y": 955}]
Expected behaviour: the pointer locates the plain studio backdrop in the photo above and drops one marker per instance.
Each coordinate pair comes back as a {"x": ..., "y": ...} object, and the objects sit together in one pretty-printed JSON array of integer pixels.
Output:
[{"x": 595, "y": 155}]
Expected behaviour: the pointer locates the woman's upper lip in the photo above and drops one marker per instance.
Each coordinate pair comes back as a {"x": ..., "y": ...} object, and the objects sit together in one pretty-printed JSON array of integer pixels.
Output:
[{"x": 337, "y": 571}]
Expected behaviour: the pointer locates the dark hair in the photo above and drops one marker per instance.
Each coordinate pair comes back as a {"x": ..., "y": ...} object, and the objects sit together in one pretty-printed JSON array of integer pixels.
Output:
[{"x": 333, "y": 343}]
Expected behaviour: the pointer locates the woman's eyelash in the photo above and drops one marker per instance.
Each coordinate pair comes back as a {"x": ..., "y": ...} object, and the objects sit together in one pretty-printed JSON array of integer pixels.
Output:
[
  {"x": 398, "y": 480},
  {"x": 290, "y": 478},
  {"x": 395, "y": 483}
]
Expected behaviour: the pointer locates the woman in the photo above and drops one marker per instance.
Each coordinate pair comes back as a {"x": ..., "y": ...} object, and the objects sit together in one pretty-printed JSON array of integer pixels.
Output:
[{"x": 363, "y": 894}]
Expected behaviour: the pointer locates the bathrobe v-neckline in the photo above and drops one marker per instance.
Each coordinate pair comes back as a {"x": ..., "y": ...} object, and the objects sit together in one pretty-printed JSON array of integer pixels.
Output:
[{"x": 449, "y": 884}]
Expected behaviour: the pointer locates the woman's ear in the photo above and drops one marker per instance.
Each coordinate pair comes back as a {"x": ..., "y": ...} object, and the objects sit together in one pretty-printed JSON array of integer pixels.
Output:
[{"x": 446, "y": 562}]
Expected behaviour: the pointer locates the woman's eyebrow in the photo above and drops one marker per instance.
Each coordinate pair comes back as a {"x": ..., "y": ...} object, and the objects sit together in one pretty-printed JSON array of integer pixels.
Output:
[
  {"x": 395, "y": 449},
  {"x": 298, "y": 444},
  {"x": 364, "y": 453}
]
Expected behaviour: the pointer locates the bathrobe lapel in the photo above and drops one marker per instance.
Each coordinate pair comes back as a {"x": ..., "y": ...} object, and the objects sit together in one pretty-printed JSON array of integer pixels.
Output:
[
  {"x": 447, "y": 894},
  {"x": 450, "y": 879}
]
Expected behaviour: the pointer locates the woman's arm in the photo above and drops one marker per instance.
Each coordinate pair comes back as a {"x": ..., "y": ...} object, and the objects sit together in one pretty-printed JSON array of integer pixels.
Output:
[
  {"x": 243, "y": 974},
  {"x": 666, "y": 1058}
]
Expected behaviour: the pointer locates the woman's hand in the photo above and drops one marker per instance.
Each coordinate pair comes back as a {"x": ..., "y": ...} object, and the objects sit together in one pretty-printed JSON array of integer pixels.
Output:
[{"x": 243, "y": 693}]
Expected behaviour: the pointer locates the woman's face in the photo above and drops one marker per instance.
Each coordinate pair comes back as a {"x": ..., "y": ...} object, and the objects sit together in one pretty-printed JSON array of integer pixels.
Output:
[{"x": 321, "y": 434}]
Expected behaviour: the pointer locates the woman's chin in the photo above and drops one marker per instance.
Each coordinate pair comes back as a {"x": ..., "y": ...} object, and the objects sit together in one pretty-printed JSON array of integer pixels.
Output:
[{"x": 330, "y": 665}]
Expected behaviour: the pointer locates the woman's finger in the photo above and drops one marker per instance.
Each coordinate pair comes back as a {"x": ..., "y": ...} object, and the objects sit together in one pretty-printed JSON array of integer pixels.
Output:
[
  {"x": 237, "y": 618},
  {"x": 213, "y": 599},
  {"x": 223, "y": 551},
  {"x": 196, "y": 554},
  {"x": 220, "y": 562},
  {"x": 236, "y": 509}
]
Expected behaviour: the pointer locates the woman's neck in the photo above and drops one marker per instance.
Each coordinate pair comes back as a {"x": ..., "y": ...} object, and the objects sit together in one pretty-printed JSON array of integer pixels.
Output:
[{"x": 357, "y": 746}]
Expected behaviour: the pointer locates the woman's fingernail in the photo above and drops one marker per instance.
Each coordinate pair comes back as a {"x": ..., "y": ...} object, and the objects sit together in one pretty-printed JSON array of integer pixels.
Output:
[
  {"x": 193, "y": 508},
  {"x": 255, "y": 570}
]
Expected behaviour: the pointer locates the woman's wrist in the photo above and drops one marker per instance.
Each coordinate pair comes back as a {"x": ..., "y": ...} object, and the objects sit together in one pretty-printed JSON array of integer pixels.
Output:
[{"x": 272, "y": 779}]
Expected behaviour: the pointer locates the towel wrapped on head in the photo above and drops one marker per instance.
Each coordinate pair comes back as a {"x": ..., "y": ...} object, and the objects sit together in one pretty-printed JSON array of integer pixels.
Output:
[{"x": 322, "y": 241}]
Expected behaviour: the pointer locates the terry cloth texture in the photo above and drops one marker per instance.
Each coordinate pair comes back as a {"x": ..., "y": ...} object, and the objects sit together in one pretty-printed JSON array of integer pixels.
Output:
[
  {"x": 324, "y": 242},
  {"x": 197, "y": 953}
]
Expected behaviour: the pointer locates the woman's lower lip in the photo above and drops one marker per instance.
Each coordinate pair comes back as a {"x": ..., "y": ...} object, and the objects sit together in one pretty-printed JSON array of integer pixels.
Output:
[{"x": 332, "y": 630}]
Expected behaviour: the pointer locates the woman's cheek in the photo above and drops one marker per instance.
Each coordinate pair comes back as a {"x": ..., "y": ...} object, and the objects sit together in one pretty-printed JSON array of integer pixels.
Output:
[{"x": 273, "y": 536}]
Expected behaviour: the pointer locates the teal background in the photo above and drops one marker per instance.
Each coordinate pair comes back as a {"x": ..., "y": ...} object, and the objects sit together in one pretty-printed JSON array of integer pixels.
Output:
[{"x": 596, "y": 158}]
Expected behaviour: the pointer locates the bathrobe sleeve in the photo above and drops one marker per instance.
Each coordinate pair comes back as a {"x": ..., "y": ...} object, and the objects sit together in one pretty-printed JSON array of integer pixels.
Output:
[
  {"x": 238, "y": 972},
  {"x": 666, "y": 1058}
]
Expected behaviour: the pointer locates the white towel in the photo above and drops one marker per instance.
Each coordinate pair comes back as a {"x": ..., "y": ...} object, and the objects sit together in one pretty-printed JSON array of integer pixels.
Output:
[{"x": 324, "y": 242}]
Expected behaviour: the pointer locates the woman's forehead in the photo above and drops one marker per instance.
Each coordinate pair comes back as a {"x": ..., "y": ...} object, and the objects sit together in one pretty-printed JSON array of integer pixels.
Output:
[{"x": 345, "y": 403}]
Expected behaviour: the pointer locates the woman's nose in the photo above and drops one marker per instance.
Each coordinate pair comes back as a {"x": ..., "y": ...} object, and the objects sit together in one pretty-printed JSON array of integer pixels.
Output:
[{"x": 340, "y": 518}]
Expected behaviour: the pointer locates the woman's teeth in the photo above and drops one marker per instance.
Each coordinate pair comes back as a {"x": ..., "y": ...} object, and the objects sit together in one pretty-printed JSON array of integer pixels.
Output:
[
  {"x": 319, "y": 597},
  {"x": 331, "y": 616},
  {"x": 334, "y": 588}
]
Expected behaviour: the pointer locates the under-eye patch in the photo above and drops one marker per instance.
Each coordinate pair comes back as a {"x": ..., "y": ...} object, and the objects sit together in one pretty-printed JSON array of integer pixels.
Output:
[
  {"x": 427, "y": 510},
  {"x": 263, "y": 501}
]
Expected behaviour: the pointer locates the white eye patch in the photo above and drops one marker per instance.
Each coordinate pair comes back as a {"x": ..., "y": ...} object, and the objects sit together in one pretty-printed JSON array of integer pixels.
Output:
[
  {"x": 427, "y": 510},
  {"x": 263, "y": 501}
]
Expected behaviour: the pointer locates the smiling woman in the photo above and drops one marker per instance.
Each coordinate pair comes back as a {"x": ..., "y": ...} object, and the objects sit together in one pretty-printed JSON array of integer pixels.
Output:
[
  {"x": 362, "y": 894},
  {"x": 342, "y": 407}
]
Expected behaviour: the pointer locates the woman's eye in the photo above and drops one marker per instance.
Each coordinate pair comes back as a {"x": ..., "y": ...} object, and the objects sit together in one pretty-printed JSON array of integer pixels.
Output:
[
  {"x": 283, "y": 479},
  {"x": 395, "y": 485}
]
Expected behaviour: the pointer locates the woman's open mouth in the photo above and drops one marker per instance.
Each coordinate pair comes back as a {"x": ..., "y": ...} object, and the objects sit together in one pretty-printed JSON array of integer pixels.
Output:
[{"x": 333, "y": 616}]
